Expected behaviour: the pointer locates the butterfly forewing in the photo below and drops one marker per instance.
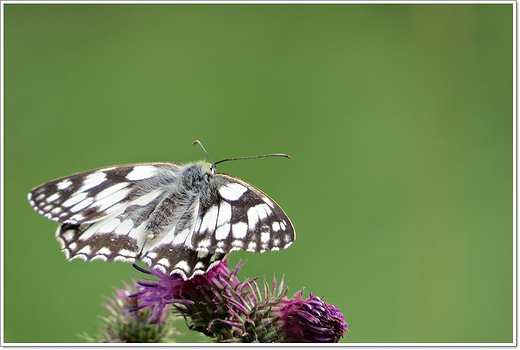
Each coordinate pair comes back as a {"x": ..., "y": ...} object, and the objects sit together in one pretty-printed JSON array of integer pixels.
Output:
[
  {"x": 177, "y": 218},
  {"x": 241, "y": 217},
  {"x": 89, "y": 196}
]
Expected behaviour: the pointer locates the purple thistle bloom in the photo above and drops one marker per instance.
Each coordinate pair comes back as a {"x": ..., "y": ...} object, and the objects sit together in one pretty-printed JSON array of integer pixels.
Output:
[
  {"x": 218, "y": 305},
  {"x": 311, "y": 320},
  {"x": 122, "y": 326}
]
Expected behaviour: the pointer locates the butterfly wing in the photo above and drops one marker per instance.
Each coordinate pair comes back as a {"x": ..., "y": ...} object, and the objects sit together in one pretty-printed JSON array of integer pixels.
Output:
[
  {"x": 239, "y": 216},
  {"x": 104, "y": 212}
]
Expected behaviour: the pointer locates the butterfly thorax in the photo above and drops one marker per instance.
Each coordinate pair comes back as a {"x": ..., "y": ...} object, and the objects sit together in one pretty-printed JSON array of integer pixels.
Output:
[{"x": 177, "y": 209}]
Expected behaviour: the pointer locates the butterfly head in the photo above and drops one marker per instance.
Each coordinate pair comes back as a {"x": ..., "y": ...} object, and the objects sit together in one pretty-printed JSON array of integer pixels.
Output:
[{"x": 206, "y": 167}]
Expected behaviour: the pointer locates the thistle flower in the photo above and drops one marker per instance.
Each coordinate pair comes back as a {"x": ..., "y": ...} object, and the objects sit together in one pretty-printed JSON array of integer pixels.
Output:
[
  {"x": 311, "y": 320},
  {"x": 218, "y": 305},
  {"x": 146, "y": 325}
]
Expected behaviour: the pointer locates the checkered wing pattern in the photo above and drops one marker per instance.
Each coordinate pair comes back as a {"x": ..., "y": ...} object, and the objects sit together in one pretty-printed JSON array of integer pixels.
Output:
[{"x": 177, "y": 218}]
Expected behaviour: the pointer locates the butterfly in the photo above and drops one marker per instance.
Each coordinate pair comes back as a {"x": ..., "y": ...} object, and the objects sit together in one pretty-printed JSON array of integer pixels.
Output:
[{"x": 178, "y": 218}]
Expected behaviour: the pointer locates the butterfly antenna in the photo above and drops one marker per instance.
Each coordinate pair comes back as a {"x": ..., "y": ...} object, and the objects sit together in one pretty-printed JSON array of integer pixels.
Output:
[
  {"x": 200, "y": 144},
  {"x": 253, "y": 157}
]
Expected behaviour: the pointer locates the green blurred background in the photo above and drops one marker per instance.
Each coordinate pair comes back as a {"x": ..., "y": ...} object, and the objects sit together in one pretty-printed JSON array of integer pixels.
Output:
[{"x": 398, "y": 119}]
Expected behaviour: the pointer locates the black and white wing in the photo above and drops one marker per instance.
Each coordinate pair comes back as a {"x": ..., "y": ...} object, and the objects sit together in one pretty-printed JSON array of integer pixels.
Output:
[
  {"x": 246, "y": 219},
  {"x": 90, "y": 196},
  {"x": 104, "y": 212}
]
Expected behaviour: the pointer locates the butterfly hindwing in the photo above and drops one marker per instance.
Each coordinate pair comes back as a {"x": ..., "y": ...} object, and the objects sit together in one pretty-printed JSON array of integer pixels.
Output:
[
  {"x": 77, "y": 242},
  {"x": 178, "y": 259}
]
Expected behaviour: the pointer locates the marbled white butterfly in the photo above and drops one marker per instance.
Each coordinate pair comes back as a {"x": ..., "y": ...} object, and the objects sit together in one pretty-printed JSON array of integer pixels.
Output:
[{"x": 177, "y": 218}]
